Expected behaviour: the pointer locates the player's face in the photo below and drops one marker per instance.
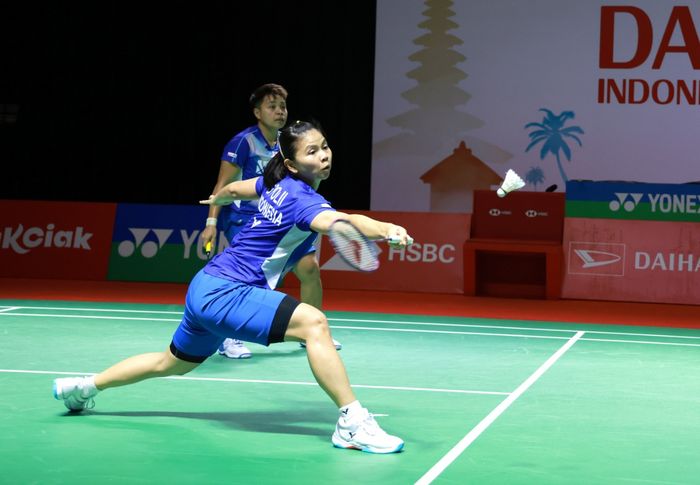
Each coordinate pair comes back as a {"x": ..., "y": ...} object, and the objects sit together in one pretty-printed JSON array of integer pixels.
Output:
[
  {"x": 272, "y": 112},
  {"x": 313, "y": 158}
]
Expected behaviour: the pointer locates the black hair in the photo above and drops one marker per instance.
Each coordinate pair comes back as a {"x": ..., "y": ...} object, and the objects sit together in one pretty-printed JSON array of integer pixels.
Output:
[
  {"x": 287, "y": 141},
  {"x": 261, "y": 92}
]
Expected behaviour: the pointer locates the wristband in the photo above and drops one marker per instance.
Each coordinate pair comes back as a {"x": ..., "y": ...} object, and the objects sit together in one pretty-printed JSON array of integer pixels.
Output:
[{"x": 211, "y": 221}]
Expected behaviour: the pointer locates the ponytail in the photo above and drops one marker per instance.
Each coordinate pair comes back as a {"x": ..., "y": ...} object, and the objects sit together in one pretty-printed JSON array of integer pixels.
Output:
[{"x": 274, "y": 171}]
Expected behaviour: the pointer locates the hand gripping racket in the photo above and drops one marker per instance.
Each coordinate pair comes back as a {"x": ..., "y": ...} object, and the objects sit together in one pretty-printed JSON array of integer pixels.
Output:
[{"x": 355, "y": 248}]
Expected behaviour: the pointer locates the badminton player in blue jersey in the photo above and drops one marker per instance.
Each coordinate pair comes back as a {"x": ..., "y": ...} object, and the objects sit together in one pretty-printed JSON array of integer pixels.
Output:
[
  {"x": 234, "y": 295},
  {"x": 245, "y": 156}
]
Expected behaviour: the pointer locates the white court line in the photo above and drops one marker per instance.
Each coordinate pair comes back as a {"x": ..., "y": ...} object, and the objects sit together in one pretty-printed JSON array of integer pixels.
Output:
[
  {"x": 9, "y": 309},
  {"x": 408, "y": 330},
  {"x": 97, "y": 317},
  {"x": 359, "y": 320},
  {"x": 93, "y": 317},
  {"x": 263, "y": 381},
  {"x": 96, "y": 309},
  {"x": 404, "y": 330},
  {"x": 645, "y": 342},
  {"x": 503, "y": 327},
  {"x": 457, "y": 450},
  {"x": 450, "y": 332}
]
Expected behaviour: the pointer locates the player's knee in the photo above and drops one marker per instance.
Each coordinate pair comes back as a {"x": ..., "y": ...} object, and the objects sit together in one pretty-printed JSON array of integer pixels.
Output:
[
  {"x": 308, "y": 270},
  {"x": 317, "y": 325}
]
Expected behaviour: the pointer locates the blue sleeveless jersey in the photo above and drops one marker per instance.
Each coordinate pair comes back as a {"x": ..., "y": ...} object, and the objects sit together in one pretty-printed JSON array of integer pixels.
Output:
[
  {"x": 250, "y": 151},
  {"x": 275, "y": 238}
]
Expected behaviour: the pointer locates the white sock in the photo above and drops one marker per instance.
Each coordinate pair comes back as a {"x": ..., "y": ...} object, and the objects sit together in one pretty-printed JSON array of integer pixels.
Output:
[
  {"x": 350, "y": 409},
  {"x": 89, "y": 386}
]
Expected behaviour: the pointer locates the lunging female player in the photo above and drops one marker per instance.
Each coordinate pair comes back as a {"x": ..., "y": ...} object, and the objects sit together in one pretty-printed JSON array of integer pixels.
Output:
[{"x": 234, "y": 295}]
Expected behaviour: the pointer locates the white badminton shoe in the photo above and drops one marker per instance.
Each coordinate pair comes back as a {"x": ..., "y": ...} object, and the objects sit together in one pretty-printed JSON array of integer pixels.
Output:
[
  {"x": 338, "y": 345},
  {"x": 361, "y": 432},
  {"x": 76, "y": 392},
  {"x": 234, "y": 349}
]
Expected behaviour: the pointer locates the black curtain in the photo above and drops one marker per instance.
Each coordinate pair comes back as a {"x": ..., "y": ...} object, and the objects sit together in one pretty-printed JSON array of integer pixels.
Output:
[{"x": 111, "y": 102}]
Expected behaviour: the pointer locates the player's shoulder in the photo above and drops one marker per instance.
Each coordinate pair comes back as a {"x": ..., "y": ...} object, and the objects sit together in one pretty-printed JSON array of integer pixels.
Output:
[
  {"x": 243, "y": 134},
  {"x": 305, "y": 194}
]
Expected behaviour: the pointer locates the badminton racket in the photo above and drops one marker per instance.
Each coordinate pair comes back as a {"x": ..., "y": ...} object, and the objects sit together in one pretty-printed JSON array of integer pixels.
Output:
[{"x": 355, "y": 248}]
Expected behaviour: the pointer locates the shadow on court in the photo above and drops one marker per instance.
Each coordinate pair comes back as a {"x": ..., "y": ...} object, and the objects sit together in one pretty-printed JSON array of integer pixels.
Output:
[{"x": 286, "y": 422}]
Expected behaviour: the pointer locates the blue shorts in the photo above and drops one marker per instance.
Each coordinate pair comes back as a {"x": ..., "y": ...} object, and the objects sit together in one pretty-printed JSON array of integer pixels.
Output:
[{"x": 216, "y": 308}]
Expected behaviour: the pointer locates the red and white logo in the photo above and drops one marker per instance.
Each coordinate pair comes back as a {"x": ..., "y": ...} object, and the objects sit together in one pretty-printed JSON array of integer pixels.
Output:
[{"x": 593, "y": 258}]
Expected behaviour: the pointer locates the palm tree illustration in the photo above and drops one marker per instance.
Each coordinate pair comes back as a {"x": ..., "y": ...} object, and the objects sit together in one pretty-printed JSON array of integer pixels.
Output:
[
  {"x": 534, "y": 176},
  {"x": 552, "y": 133}
]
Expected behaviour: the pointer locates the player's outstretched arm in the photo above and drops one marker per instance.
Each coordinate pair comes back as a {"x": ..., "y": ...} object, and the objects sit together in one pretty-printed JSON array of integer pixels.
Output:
[
  {"x": 239, "y": 190},
  {"x": 371, "y": 228}
]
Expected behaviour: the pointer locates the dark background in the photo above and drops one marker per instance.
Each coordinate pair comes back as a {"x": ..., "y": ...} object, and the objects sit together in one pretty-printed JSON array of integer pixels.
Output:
[{"x": 112, "y": 102}]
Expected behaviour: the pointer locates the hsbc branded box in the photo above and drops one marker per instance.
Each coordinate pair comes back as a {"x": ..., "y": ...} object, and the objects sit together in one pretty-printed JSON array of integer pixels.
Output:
[
  {"x": 524, "y": 216},
  {"x": 62, "y": 240}
]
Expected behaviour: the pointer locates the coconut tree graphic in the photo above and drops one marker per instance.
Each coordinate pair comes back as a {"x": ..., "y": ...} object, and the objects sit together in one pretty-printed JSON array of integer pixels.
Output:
[
  {"x": 552, "y": 133},
  {"x": 534, "y": 176}
]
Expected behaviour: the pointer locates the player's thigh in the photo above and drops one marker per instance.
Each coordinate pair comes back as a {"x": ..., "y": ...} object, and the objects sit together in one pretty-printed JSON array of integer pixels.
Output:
[{"x": 175, "y": 366}]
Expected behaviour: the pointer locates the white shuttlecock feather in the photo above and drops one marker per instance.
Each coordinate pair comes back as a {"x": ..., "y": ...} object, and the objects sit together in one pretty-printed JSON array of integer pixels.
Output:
[{"x": 510, "y": 183}]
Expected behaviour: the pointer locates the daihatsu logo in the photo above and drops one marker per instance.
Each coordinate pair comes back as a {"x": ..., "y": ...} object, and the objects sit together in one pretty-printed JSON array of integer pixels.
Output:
[
  {"x": 592, "y": 259},
  {"x": 596, "y": 259}
]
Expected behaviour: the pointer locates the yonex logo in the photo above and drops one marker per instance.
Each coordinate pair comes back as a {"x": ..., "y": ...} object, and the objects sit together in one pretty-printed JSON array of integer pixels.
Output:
[
  {"x": 628, "y": 201},
  {"x": 148, "y": 248}
]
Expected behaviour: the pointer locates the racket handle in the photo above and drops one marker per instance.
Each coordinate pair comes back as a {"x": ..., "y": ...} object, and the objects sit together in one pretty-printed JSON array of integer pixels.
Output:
[
  {"x": 394, "y": 240},
  {"x": 207, "y": 248}
]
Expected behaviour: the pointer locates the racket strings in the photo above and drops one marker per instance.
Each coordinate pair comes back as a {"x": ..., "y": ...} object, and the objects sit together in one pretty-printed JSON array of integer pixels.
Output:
[{"x": 354, "y": 248}]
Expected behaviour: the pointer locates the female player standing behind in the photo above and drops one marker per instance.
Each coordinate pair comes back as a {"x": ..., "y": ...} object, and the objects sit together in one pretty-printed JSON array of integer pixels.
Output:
[{"x": 234, "y": 296}]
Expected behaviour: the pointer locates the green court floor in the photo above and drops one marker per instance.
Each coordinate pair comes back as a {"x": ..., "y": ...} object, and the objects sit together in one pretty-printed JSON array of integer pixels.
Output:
[{"x": 476, "y": 400}]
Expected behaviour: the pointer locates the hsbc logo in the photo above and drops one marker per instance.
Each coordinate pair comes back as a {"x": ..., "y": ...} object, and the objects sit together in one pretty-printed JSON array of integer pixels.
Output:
[
  {"x": 494, "y": 212},
  {"x": 591, "y": 258},
  {"x": 626, "y": 201},
  {"x": 534, "y": 213}
]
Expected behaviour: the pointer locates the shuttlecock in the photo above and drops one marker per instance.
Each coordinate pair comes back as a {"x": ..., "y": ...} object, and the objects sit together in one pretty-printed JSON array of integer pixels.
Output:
[{"x": 510, "y": 183}]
